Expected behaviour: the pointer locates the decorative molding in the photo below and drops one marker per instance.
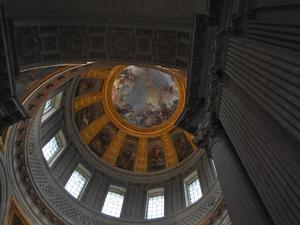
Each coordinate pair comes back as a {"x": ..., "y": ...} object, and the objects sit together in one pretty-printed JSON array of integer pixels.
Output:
[
  {"x": 115, "y": 172},
  {"x": 36, "y": 186},
  {"x": 100, "y": 73},
  {"x": 45, "y": 43},
  {"x": 89, "y": 132},
  {"x": 154, "y": 131},
  {"x": 83, "y": 101},
  {"x": 141, "y": 161},
  {"x": 72, "y": 40},
  {"x": 15, "y": 211},
  {"x": 111, "y": 154},
  {"x": 170, "y": 152}
]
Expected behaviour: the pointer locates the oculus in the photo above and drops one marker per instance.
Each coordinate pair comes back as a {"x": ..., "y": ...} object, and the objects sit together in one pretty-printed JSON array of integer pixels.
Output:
[{"x": 144, "y": 97}]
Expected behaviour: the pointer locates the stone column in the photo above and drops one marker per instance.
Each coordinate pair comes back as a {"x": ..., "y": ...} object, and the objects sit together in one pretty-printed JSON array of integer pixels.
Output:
[{"x": 241, "y": 199}]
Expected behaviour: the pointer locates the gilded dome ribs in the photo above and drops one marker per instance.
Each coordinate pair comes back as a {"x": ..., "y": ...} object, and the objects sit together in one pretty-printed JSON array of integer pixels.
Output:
[
  {"x": 112, "y": 152},
  {"x": 141, "y": 161},
  {"x": 88, "y": 133},
  {"x": 85, "y": 100},
  {"x": 127, "y": 114},
  {"x": 98, "y": 74},
  {"x": 190, "y": 139},
  {"x": 170, "y": 152}
]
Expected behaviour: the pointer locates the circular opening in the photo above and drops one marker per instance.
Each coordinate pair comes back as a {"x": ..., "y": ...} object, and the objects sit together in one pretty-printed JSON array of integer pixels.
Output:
[{"x": 144, "y": 97}]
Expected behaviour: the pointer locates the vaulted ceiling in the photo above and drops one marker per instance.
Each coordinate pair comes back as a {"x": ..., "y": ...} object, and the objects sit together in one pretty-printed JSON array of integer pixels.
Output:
[{"x": 127, "y": 116}]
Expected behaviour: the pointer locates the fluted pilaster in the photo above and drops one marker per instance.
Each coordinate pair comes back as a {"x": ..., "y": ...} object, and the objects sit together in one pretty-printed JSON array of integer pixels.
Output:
[{"x": 242, "y": 201}]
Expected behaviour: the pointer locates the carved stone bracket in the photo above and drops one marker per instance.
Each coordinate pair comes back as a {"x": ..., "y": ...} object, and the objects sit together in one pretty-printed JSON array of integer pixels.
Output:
[
  {"x": 203, "y": 134},
  {"x": 215, "y": 83}
]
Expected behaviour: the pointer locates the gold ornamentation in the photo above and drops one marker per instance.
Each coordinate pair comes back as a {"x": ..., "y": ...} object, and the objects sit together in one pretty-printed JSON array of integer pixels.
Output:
[
  {"x": 151, "y": 132},
  {"x": 170, "y": 151},
  {"x": 111, "y": 115},
  {"x": 190, "y": 139},
  {"x": 96, "y": 73},
  {"x": 16, "y": 211},
  {"x": 112, "y": 152},
  {"x": 89, "y": 132},
  {"x": 141, "y": 160},
  {"x": 85, "y": 100}
]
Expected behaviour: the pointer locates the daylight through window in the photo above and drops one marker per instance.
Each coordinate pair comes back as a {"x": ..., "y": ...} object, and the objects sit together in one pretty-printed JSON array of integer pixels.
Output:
[
  {"x": 77, "y": 183},
  {"x": 193, "y": 189},
  {"x": 155, "y": 204},
  {"x": 51, "y": 105},
  {"x": 51, "y": 148},
  {"x": 113, "y": 202}
]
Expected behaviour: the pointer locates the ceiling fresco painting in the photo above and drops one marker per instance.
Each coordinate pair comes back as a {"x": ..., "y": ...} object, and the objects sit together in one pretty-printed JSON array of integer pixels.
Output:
[
  {"x": 128, "y": 152},
  {"x": 85, "y": 116},
  {"x": 86, "y": 86},
  {"x": 181, "y": 143},
  {"x": 127, "y": 116},
  {"x": 156, "y": 158},
  {"x": 144, "y": 97},
  {"x": 102, "y": 140}
]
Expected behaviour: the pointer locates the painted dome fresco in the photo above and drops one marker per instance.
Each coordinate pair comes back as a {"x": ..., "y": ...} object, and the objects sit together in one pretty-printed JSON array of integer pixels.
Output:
[
  {"x": 144, "y": 97},
  {"x": 126, "y": 115}
]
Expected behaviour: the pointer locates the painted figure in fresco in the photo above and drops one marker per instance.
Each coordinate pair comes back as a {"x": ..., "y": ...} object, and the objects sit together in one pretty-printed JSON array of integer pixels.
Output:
[
  {"x": 85, "y": 116},
  {"x": 182, "y": 146},
  {"x": 144, "y": 97},
  {"x": 126, "y": 158},
  {"x": 100, "y": 142},
  {"x": 103, "y": 139},
  {"x": 84, "y": 86},
  {"x": 156, "y": 158}
]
